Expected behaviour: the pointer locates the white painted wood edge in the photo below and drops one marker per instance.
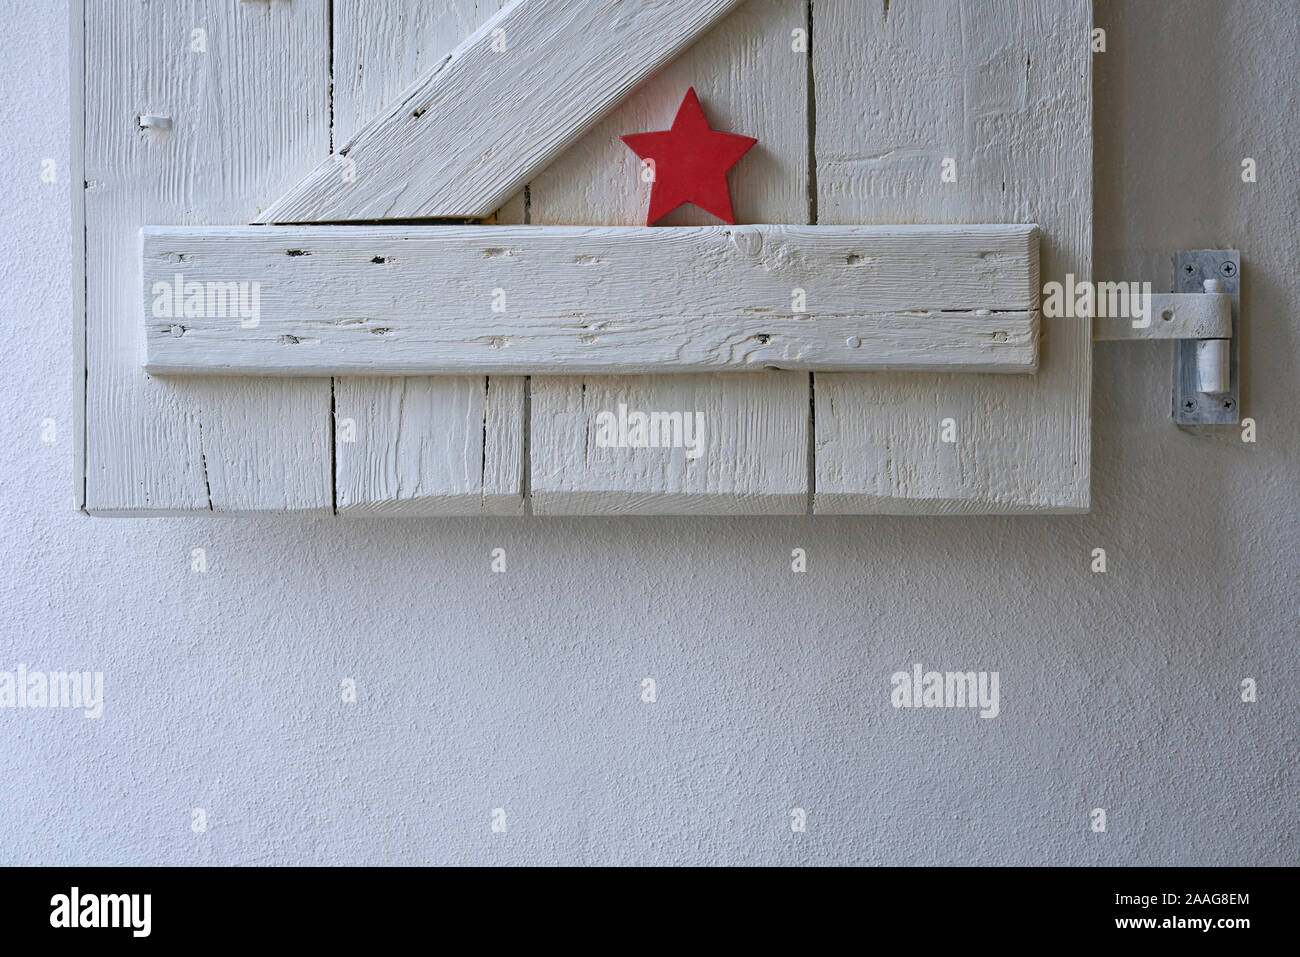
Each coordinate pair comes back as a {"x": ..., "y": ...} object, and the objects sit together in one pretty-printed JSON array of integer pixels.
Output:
[
  {"x": 77, "y": 195},
  {"x": 497, "y": 110},
  {"x": 564, "y": 300}
]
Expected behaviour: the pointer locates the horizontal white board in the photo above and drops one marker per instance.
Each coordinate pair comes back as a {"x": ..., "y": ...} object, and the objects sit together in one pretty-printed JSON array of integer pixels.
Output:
[{"x": 562, "y": 300}]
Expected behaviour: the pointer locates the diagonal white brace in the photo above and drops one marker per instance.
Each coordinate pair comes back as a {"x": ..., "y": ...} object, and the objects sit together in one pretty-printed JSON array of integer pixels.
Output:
[{"x": 473, "y": 130}]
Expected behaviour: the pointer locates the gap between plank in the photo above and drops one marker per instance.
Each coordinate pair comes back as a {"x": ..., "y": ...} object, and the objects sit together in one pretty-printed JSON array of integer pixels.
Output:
[
  {"x": 812, "y": 220},
  {"x": 526, "y": 416},
  {"x": 333, "y": 428},
  {"x": 526, "y": 447}
]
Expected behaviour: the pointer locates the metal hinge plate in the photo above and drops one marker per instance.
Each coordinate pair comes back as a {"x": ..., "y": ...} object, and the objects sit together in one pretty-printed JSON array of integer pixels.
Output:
[{"x": 1191, "y": 406}]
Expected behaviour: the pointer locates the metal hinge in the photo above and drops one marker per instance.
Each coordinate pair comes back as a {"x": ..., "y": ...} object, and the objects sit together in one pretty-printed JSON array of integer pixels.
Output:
[{"x": 1202, "y": 315}]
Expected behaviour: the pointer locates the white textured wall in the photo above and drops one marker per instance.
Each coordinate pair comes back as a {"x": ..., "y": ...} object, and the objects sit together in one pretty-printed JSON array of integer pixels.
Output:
[{"x": 522, "y": 690}]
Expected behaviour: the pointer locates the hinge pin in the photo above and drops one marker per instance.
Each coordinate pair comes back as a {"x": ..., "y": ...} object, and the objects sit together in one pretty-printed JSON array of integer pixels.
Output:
[{"x": 1213, "y": 356}]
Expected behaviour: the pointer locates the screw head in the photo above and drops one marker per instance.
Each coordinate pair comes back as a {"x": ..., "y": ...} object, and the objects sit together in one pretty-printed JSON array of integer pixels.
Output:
[
  {"x": 1227, "y": 403},
  {"x": 1190, "y": 405},
  {"x": 1189, "y": 269},
  {"x": 1228, "y": 269}
]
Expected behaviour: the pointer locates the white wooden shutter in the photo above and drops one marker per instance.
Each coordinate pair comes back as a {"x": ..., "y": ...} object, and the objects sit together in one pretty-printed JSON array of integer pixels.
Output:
[{"x": 856, "y": 136}]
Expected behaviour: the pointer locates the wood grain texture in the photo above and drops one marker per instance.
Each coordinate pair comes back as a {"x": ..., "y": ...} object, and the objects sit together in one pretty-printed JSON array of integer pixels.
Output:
[
  {"x": 249, "y": 117},
  {"x": 742, "y": 429},
  {"x": 1003, "y": 88},
  {"x": 77, "y": 201},
  {"x": 496, "y": 110},
  {"x": 750, "y": 81},
  {"x": 416, "y": 446},
  {"x": 557, "y": 300},
  {"x": 396, "y": 460}
]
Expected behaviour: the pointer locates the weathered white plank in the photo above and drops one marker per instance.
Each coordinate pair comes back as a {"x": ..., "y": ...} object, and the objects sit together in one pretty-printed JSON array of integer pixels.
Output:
[
  {"x": 559, "y": 300},
  {"x": 77, "y": 198},
  {"x": 383, "y": 47},
  {"x": 732, "y": 469},
  {"x": 1003, "y": 89},
  {"x": 475, "y": 127},
  {"x": 238, "y": 136},
  {"x": 397, "y": 461},
  {"x": 417, "y": 446},
  {"x": 750, "y": 81}
]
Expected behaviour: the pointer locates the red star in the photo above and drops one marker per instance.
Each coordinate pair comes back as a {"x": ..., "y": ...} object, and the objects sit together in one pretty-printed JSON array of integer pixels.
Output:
[{"x": 690, "y": 162}]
